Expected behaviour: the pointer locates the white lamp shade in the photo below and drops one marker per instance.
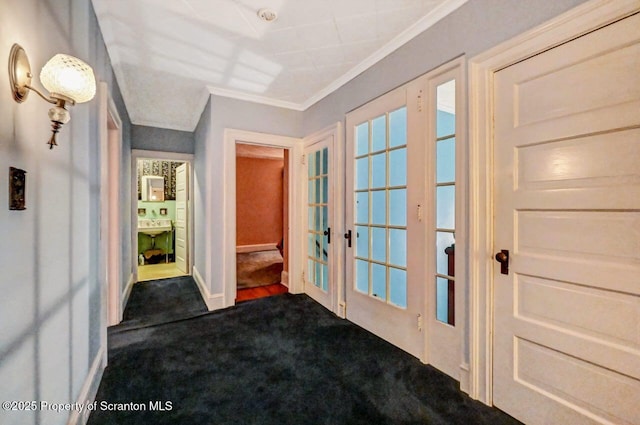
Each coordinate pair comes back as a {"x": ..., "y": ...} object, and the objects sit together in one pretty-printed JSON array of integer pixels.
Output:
[{"x": 70, "y": 77}]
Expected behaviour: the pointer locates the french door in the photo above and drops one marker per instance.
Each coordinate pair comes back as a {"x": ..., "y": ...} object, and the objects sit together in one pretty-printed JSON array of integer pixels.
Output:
[
  {"x": 320, "y": 274},
  {"x": 383, "y": 289}
]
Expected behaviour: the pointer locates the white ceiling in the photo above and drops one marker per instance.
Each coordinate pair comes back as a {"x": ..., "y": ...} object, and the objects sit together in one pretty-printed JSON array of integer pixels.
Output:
[{"x": 169, "y": 55}]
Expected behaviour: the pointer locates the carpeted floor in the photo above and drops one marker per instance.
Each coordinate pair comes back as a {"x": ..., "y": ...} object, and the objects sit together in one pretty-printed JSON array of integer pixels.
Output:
[
  {"x": 279, "y": 360},
  {"x": 258, "y": 268}
]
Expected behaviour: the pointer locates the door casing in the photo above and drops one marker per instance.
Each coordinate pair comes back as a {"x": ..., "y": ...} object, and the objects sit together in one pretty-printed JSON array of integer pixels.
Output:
[{"x": 578, "y": 21}]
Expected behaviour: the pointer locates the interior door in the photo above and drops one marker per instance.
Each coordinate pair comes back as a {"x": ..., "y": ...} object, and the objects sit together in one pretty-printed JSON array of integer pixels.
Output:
[
  {"x": 383, "y": 292},
  {"x": 567, "y": 210},
  {"x": 318, "y": 281},
  {"x": 181, "y": 224}
]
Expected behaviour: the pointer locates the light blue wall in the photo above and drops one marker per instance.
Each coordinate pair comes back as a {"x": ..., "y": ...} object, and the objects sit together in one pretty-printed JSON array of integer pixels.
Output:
[
  {"x": 50, "y": 308},
  {"x": 161, "y": 139},
  {"x": 202, "y": 137}
]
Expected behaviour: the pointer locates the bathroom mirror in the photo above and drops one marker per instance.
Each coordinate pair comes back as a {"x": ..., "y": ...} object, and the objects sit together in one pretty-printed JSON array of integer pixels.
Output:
[{"x": 152, "y": 188}]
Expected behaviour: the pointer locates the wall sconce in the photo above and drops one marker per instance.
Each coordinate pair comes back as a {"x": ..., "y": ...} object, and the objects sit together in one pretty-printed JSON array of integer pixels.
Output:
[{"x": 68, "y": 80}]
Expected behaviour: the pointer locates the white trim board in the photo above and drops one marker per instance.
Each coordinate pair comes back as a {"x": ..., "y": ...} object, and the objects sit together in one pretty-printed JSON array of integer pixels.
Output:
[
  {"x": 89, "y": 389},
  {"x": 213, "y": 302},
  {"x": 578, "y": 21},
  {"x": 231, "y": 137}
]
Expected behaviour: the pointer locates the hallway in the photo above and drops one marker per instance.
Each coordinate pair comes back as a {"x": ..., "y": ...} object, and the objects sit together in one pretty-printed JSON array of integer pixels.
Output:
[{"x": 278, "y": 360}]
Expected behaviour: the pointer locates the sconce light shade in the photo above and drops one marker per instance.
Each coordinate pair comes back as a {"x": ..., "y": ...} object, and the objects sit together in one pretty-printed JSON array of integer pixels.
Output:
[{"x": 67, "y": 77}]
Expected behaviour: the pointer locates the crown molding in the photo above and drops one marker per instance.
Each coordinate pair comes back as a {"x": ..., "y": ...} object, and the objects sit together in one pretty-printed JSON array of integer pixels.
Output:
[{"x": 217, "y": 91}]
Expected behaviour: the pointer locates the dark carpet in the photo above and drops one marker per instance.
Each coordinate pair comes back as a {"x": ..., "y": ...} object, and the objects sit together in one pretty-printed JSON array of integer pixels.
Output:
[
  {"x": 278, "y": 360},
  {"x": 161, "y": 301}
]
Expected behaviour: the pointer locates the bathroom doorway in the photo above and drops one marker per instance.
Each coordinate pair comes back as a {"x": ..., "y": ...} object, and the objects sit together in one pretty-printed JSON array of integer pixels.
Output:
[
  {"x": 261, "y": 221},
  {"x": 162, "y": 234}
]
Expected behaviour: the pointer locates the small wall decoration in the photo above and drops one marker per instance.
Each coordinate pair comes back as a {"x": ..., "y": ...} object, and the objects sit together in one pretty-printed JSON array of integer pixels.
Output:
[
  {"x": 142, "y": 211},
  {"x": 17, "y": 187},
  {"x": 163, "y": 211}
]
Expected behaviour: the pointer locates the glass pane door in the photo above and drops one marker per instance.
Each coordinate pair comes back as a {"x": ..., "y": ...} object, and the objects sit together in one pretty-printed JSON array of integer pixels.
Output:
[
  {"x": 318, "y": 228},
  {"x": 380, "y": 206}
]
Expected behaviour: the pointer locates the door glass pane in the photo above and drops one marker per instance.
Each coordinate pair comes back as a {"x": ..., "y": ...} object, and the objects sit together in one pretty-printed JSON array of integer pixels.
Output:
[
  {"x": 398, "y": 127},
  {"x": 379, "y": 170},
  {"x": 318, "y": 214},
  {"x": 442, "y": 299},
  {"x": 398, "y": 167},
  {"x": 362, "y": 173},
  {"x": 325, "y": 277},
  {"x": 362, "y": 139},
  {"x": 362, "y": 276},
  {"x": 443, "y": 241},
  {"x": 379, "y": 134},
  {"x": 311, "y": 209},
  {"x": 318, "y": 280},
  {"x": 379, "y": 244},
  {"x": 378, "y": 281},
  {"x": 446, "y": 101},
  {"x": 362, "y": 241},
  {"x": 312, "y": 163},
  {"x": 398, "y": 287},
  {"x": 379, "y": 207},
  {"x": 381, "y": 213},
  {"x": 318, "y": 160},
  {"x": 311, "y": 190},
  {"x": 325, "y": 160},
  {"x": 446, "y": 207},
  {"x": 398, "y": 247},
  {"x": 325, "y": 190},
  {"x": 362, "y": 207},
  {"x": 398, "y": 207},
  {"x": 446, "y": 160},
  {"x": 310, "y": 274}
]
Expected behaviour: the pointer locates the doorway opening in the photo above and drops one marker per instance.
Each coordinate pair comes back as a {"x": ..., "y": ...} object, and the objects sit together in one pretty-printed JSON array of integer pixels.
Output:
[
  {"x": 262, "y": 246},
  {"x": 161, "y": 185}
]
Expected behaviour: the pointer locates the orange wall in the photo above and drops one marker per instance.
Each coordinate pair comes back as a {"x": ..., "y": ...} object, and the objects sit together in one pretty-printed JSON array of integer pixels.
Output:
[{"x": 259, "y": 200}]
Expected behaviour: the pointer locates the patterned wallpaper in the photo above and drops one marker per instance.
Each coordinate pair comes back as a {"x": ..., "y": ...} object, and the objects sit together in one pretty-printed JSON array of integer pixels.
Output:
[{"x": 166, "y": 169}]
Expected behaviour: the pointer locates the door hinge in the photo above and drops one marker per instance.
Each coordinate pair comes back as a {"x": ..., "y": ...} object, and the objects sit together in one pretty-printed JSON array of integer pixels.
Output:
[
  {"x": 303, "y": 160},
  {"x": 303, "y": 276},
  {"x": 419, "y": 212},
  {"x": 420, "y": 102},
  {"x": 420, "y": 322},
  {"x": 342, "y": 309}
]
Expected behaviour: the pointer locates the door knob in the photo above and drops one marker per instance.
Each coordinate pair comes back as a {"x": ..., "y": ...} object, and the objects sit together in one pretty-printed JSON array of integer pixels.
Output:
[{"x": 502, "y": 257}]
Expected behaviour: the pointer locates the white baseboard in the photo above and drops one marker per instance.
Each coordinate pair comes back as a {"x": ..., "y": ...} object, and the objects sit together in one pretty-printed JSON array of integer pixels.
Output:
[
  {"x": 126, "y": 293},
  {"x": 257, "y": 247},
  {"x": 89, "y": 389},
  {"x": 284, "y": 278},
  {"x": 213, "y": 301},
  {"x": 464, "y": 378}
]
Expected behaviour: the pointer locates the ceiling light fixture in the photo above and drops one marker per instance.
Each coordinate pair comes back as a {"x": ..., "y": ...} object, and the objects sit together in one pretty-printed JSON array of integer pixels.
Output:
[
  {"x": 267, "y": 15},
  {"x": 68, "y": 80}
]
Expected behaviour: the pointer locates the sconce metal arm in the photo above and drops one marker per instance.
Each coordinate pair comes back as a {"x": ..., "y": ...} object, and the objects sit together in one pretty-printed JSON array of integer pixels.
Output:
[{"x": 48, "y": 99}]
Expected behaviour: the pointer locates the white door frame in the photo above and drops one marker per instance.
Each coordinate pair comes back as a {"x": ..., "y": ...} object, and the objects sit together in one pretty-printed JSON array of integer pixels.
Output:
[
  {"x": 294, "y": 145},
  {"x": 337, "y": 182},
  {"x": 137, "y": 154},
  {"x": 110, "y": 132},
  {"x": 576, "y": 22}
]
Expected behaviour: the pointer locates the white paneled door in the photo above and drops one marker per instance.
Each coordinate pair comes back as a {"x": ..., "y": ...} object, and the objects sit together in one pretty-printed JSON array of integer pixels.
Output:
[
  {"x": 182, "y": 201},
  {"x": 567, "y": 210}
]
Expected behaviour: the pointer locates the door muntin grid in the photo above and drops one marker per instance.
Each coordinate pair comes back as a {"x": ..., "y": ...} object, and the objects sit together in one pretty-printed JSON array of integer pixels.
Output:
[
  {"x": 380, "y": 208},
  {"x": 317, "y": 270}
]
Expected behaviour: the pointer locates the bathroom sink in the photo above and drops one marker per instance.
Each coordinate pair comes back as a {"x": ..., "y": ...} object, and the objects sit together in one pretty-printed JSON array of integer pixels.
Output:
[{"x": 153, "y": 227}]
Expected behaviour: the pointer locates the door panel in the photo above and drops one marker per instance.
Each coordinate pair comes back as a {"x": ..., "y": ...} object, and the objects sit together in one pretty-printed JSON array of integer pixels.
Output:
[
  {"x": 382, "y": 295},
  {"x": 320, "y": 234},
  {"x": 567, "y": 207},
  {"x": 182, "y": 188}
]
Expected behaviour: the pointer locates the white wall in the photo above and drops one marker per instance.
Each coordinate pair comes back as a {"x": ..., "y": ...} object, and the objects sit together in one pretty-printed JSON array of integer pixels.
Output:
[
  {"x": 221, "y": 113},
  {"x": 50, "y": 304}
]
